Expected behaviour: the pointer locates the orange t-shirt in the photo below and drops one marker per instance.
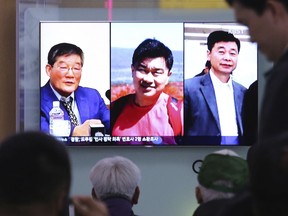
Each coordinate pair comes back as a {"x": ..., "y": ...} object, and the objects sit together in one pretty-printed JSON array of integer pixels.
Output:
[{"x": 144, "y": 121}]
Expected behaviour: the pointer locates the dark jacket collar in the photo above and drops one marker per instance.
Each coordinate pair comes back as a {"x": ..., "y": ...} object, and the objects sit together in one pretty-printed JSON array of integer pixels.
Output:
[{"x": 118, "y": 205}]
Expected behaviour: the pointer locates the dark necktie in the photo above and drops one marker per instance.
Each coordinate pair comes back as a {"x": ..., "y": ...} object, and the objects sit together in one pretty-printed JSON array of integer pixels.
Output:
[{"x": 68, "y": 105}]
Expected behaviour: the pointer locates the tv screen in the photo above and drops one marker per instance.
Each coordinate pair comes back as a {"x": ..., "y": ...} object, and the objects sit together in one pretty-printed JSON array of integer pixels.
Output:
[{"x": 126, "y": 80}]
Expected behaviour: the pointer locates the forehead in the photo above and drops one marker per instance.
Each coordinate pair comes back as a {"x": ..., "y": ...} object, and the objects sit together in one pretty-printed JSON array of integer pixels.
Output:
[
  {"x": 229, "y": 45},
  {"x": 69, "y": 58},
  {"x": 153, "y": 62}
]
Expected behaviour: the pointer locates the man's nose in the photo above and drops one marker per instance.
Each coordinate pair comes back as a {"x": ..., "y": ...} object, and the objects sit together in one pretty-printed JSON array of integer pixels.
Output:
[
  {"x": 70, "y": 71},
  {"x": 149, "y": 78},
  {"x": 227, "y": 56}
]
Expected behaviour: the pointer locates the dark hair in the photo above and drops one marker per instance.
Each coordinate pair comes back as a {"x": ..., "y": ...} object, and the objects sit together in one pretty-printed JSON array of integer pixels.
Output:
[
  {"x": 256, "y": 5},
  {"x": 152, "y": 48},
  {"x": 34, "y": 167},
  {"x": 64, "y": 49},
  {"x": 208, "y": 64},
  {"x": 221, "y": 36}
]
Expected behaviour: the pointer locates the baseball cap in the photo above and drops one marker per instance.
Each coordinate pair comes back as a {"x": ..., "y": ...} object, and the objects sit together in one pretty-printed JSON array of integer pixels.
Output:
[{"x": 224, "y": 173}]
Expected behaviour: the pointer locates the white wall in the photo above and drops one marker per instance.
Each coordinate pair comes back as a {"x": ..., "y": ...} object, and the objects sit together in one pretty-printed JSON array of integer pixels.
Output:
[{"x": 168, "y": 181}]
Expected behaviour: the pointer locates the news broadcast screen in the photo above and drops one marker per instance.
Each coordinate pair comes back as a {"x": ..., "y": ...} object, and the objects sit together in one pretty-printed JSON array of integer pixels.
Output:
[{"x": 126, "y": 83}]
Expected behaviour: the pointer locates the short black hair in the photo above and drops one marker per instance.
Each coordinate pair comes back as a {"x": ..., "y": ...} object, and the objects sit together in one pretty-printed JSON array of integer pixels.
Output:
[
  {"x": 34, "y": 167},
  {"x": 208, "y": 64},
  {"x": 256, "y": 5},
  {"x": 152, "y": 48},
  {"x": 62, "y": 49},
  {"x": 221, "y": 36}
]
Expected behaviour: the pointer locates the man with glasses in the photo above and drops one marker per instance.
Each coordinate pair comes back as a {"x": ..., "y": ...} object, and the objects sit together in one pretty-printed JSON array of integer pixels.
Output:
[
  {"x": 64, "y": 67},
  {"x": 149, "y": 112}
]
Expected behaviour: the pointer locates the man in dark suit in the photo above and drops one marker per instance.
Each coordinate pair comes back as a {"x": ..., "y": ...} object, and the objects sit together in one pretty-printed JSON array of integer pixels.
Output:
[
  {"x": 213, "y": 102},
  {"x": 65, "y": 62}
]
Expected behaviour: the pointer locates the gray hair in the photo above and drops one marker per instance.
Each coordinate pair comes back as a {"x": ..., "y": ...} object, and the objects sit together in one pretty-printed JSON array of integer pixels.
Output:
[
  {"x": 211, "y": 194},
  {"x": 115, "y": 175}
]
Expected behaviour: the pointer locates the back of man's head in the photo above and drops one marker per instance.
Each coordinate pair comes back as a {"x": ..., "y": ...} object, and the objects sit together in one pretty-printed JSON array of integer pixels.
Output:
[
  {"x": 35, "y": 168},
  {"x": 221, "y": 36},
  {"x": 115, "y": 176},
  {"x": 222, "y": 174}
]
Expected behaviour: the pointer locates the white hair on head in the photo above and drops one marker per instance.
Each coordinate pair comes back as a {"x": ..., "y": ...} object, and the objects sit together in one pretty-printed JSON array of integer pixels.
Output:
[
  {"x": 227, "y": 152},
  {"x": 210, "y": 194},
  {"x": 115, "y": 175}
]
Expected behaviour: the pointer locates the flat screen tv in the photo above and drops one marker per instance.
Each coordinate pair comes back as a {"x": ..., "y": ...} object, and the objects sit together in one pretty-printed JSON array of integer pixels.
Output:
[{"x": 110, "y": 68}]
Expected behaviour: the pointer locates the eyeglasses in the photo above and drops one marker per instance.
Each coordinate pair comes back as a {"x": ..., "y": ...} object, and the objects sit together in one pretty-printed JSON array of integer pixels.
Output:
[{"x": 64, "y": 68}]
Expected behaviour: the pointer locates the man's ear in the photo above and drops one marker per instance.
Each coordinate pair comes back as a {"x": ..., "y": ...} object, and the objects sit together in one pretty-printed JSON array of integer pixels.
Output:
[
  {"x": 135, "y": 196},
  {"x": 169, "y": 74},
  {"x": 208, "y": 55},
  {"x": 198, "y": 195},
  {"x": 48, "y": 69},
  {"x": 93, "y": 194},
  {"x": 133, "y": 69}
]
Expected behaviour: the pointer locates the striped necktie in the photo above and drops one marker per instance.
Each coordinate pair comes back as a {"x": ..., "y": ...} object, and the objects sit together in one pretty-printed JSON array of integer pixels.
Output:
[{"x": 68, "y": 105}]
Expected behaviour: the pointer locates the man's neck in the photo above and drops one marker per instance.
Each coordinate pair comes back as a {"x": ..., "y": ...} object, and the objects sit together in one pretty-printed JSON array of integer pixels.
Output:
[
  {"x": 223, "y": 77},
  {"x": 145, "y": 101}
]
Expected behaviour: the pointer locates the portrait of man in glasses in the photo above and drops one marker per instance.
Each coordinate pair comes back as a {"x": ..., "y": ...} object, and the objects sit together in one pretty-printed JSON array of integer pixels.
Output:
[{"x": 64, "y": 69}]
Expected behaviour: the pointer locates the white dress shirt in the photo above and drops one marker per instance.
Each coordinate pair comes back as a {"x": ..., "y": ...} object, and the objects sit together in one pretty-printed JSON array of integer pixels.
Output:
[
  {"x": 74, "y": 103},
  {"x": 226, "y": 109}
]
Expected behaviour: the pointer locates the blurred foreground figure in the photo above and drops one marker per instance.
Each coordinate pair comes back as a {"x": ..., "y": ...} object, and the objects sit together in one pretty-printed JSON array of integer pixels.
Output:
[
  {"x": 267, "y": 22},
  {"x": 36, "y": 177}
]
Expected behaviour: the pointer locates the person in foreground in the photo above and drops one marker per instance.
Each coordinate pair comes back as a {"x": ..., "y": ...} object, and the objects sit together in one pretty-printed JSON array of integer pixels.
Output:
[
  {"x": 222, "y": 175},
  {"x": 267, "y": 22},
  {"x": 36, "y": 177},
  {"x": 269, "y": 177},
  {"x": 64, "y": 68},
  {"x": 268, "y": 189},
  {"x": 151, "y": 112},
  {"x": 116, "y": 181},
  {"x": 213, "y": 102}
]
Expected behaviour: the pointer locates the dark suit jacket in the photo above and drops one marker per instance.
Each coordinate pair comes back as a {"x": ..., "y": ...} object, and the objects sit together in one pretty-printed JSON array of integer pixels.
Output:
[
  {"x": 250, "y": 114},
  {"x": 210, "y": 208},
  {"x": 239, "y": 205},
  {"x": 202, "y": 124},
  {"x": 89, "y": 102},
  {"x": 274, "y": 108}
]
